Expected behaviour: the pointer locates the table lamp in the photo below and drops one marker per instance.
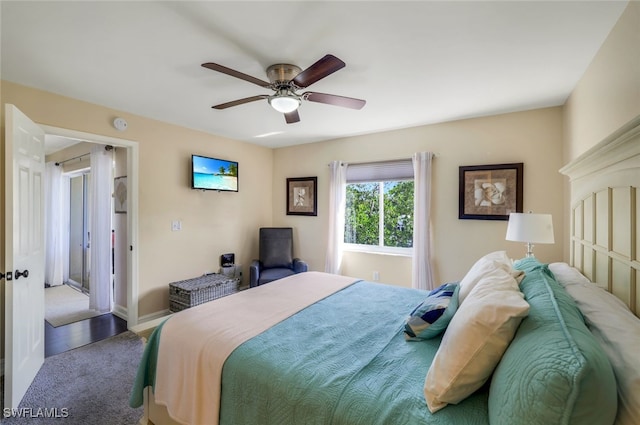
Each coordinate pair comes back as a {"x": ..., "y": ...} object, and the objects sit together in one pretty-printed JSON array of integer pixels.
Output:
[{"x": 530, "y": 228}]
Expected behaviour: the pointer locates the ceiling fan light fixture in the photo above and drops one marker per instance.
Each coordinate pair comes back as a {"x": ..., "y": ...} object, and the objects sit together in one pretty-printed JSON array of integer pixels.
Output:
[
  {"x": 285, "y": 80},
  {"x": 284, "y": 103}
]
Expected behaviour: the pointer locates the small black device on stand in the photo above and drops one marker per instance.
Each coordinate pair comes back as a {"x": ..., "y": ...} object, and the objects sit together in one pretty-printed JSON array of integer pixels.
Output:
[
  {"x": 227, "y": 260},
  {"x": 228, "y": 266}
]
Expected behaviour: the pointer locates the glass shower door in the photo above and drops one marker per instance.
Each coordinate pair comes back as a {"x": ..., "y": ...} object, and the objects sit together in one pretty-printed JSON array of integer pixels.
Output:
[{"x": 79, "y": 235}]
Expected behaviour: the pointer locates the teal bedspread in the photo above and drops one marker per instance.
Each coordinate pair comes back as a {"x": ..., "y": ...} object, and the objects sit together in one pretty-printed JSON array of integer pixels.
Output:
[
  {"x": 146, "y": 375},
  {"x": 343, "y": 360}
]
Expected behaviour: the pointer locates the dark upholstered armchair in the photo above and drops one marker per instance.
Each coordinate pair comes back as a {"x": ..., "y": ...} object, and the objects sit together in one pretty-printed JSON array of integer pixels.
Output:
[{"x": 276, "y": 257}]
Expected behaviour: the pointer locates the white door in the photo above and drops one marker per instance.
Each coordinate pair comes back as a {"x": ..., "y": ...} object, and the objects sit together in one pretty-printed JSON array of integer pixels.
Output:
[{"x": 24, "y": 254}]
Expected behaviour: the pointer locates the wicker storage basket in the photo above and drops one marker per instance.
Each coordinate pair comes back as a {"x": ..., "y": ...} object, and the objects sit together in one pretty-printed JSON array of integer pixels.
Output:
[{"x": 192, "y": 292}]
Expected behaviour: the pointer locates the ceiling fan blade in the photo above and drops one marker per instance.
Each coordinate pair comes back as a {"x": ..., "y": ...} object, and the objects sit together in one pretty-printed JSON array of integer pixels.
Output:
[
  {"x": 239, "y": 102},
  {"x": 292, "y": 117},
  {"x": 325, "y": 66},
  {"x": 237, "y": 74},
  {"x": 332, "y": 99}
]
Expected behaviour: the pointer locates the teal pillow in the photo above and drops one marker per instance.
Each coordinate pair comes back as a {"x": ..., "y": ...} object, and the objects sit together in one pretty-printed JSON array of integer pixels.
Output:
[
  {"x": 432, "y": 316},
  {"x": 554, "y": 371}
]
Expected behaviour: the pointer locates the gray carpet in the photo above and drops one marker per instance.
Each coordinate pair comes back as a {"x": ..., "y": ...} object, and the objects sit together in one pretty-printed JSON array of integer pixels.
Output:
[{"x": 92, "y": 383}]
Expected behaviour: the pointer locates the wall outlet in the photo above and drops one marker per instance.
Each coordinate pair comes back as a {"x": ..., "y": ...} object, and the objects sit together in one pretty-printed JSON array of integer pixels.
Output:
[
  {"x": 176, "y": 225},
  {"x": 376, "y": 276}
]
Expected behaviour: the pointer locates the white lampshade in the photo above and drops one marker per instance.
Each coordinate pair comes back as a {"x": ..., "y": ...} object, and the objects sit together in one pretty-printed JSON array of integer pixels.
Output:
[
  {"x": 284, "y": 104},
  {"x": 530, "y": 228}
]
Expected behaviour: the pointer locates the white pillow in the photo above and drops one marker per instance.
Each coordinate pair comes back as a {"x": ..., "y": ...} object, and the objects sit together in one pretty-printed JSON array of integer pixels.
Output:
[
  {"x": 617, "y": 330},
  {"x": 484, "y": 265},
  {"x": 475, "y": 340},
  {"x": 567, "y": 275}
]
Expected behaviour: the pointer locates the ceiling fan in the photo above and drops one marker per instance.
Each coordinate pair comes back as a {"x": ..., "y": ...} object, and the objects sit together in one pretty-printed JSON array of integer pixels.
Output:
[{"x": 286, "y": 80}]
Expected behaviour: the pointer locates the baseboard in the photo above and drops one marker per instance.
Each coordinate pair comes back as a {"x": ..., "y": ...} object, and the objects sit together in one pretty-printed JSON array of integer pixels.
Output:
[
  {"x": 121, "y": 312},
  {"x": 144, "y": 322},
  {"x": 150, "y": 321}
]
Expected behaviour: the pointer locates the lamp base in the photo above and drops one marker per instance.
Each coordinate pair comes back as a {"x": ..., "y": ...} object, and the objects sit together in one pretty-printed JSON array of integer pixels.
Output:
[{"x": 530, "y": 250}]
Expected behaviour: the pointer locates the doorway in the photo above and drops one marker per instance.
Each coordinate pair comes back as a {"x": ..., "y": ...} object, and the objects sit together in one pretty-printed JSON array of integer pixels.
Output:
[
  {"x": 125, "y": 225},
  {"x": 69, "y": 320},
  {"x": 78, "y": 260}
]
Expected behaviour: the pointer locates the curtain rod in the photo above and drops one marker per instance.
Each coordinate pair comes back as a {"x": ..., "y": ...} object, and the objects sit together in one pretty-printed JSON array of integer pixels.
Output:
[{"x": 107, "y": 148}]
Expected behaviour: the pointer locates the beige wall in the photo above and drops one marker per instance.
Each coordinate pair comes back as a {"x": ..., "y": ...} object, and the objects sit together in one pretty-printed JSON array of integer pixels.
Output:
[
  {"x": 606, "y": 97},
  {"x": 608, "y": 94},
  {"x": 212, "y": 223},
  {"x": 394, "y": 269},
  {"x": 533, "y": 137}
]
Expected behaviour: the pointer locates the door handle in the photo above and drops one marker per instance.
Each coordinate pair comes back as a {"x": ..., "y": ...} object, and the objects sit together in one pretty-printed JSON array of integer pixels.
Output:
[
  {"x": 23, "y": 274},
  {"x": 1, "y": 275}
]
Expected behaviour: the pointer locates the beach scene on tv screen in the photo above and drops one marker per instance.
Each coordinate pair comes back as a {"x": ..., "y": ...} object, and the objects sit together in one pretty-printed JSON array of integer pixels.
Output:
[{"x": 217, "y": 174}]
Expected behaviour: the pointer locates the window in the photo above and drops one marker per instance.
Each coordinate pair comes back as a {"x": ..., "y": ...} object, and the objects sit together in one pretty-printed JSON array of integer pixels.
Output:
[{"x": 379, "y": 207}]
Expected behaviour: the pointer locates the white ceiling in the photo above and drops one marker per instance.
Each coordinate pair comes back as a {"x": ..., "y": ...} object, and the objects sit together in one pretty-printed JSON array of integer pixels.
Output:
[{"x": 415, "y": 63}]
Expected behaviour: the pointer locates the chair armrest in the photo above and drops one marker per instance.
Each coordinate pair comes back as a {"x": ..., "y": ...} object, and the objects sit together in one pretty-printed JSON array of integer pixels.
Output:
[
  {"x": 299, "y": 266},
  {"x": 254, "y": 273}
]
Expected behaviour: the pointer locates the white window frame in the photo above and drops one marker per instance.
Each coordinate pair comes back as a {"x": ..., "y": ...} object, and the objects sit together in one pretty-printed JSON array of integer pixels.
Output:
[
  {"x": 377, "y": 249},
  {"x": 380, "y": 172}
]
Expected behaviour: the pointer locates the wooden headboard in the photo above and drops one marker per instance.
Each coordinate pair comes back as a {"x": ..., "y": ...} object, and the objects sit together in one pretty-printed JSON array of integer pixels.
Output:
[{"x": 605, "y": 202}]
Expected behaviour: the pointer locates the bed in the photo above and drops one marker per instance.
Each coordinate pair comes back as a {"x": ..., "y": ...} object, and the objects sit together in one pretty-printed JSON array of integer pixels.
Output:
[{"x": 316, "y": 348}]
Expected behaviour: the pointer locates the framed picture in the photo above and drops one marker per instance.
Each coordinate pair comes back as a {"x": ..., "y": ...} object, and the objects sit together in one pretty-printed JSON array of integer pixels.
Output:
[
  {"x": 120, "y": 194},
  {"x": 490, "y": 192},
  {"x": 302, "y": 196}
]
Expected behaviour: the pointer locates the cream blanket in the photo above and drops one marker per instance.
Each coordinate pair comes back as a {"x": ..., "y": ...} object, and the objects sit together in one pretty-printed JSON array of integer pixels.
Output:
[{"x": 195, "y": 343}]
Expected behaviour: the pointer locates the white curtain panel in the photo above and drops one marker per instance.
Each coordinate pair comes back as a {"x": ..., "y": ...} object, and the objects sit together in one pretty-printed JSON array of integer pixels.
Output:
[
  {"x": 422, "y": 273},
  {"x": 53, "y": 225},
  {"x": 337, "y": 202},
  {"x": 100, "y": 297}
]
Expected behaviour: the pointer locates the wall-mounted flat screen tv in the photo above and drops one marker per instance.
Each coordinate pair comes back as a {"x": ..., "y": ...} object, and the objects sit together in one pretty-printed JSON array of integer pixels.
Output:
[{"x": 213, "y": 174}]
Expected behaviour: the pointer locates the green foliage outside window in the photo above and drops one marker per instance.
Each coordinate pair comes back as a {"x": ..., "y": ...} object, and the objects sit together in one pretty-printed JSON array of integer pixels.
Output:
[
  {"x": 362, "y": 216},
  {"x": 398, "y": 214}
]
